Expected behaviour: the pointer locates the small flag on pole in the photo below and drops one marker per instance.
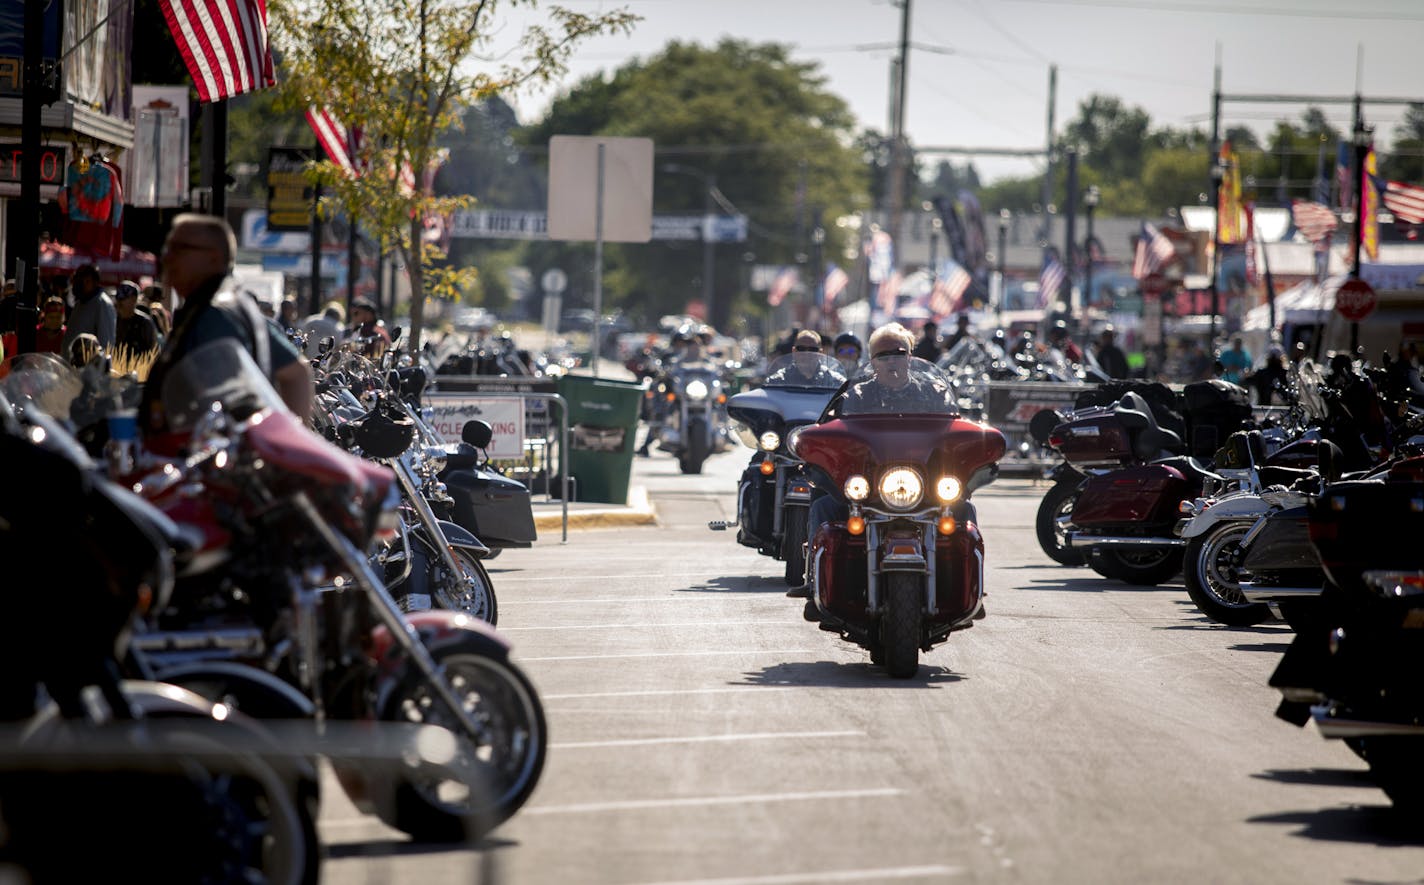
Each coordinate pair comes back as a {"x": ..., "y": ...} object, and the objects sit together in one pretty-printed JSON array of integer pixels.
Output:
[
  {"x": 1314, "y": 220},
  {"x": 334, "y": 138},
  {"x": 1050, "y": 278},
  {"x": 781, "y": 286},
  {"x": 1404, "y": 201},
  {"x": 949, "y": 289},
  {"x": 1154, "y": 252},
  {"x": 834, "y": 284}
]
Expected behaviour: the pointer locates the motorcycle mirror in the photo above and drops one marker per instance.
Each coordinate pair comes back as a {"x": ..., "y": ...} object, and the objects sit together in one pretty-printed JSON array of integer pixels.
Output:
[
  {"x": 477, "y": 433},
  {"x": 396, "y": 334},
  {"x": 1042, "y": 424},
  {"x": 325, "y": 345}
]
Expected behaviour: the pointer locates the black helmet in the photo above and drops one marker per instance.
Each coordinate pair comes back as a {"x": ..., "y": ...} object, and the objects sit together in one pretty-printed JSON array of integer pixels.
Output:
[{"x": 847, "y": 339}]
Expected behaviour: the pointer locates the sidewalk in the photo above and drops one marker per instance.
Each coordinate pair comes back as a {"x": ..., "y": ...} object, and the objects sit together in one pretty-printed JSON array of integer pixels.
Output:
[{"x": 548, "y": 515}]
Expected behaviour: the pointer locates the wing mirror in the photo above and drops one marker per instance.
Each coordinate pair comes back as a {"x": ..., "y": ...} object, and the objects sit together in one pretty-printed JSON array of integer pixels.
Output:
[{"x": 477, "y": 433}]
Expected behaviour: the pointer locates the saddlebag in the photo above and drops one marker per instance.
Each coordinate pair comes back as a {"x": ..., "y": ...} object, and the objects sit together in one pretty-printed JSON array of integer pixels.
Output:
[
  {"x": 1132, "y": 496},
  {"x": 494, "y": 508}
]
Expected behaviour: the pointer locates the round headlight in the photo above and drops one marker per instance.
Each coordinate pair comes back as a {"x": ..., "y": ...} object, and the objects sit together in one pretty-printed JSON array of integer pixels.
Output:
[
  {"x": 857, "y": 488},
  {"x": 901, "y": 488},
  {"x": 435, "y": 456},
  {"x": 791, "y": 439},
  {"x": 769, "y": 441},
  {"x": 695, "y": 389},
  {"x": 948, "y": 488}
]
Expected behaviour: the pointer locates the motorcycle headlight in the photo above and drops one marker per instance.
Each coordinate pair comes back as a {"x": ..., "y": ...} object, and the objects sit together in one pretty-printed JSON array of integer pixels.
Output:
[
  {"x": 901, "y": 488},
  {"x": 857, "y": 488},
  {"x": 436, "y": 458},
  {"x": 948, "y": 489},
  {"x": 695, "y": 390},
  {"x": 769, "y": 441}
]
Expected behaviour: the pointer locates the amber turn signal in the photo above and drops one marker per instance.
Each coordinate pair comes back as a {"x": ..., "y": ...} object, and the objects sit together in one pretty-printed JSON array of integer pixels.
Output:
[
  {"x": 767, "y": 468},
  {"x": 947, "y": 525},
  {"x": 671, "y": 397},
  {"x": 855, "y": 525}
]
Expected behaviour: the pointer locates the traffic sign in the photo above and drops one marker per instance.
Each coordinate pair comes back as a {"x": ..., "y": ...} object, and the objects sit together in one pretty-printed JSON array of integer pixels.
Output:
[
  {"x": 1355, "y": 300},
  {"x": 554, "y": 280}
]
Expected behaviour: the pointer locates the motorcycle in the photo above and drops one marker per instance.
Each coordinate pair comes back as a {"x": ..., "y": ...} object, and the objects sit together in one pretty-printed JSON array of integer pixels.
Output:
[
  {"x": 1353, "y": 666},
  {"x": 306, "y": 627},
  {"x": 901, "y": 570},
  {"x": 1136, "y": 474},
  {"x": 695, "y": 423},
  {"x": 774, "y": 495},
  {"x": 86, "y": 751}
]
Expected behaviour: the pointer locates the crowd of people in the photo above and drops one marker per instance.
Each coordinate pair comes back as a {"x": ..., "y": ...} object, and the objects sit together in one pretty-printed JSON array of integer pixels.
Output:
[{"x": 79, "y": 317}]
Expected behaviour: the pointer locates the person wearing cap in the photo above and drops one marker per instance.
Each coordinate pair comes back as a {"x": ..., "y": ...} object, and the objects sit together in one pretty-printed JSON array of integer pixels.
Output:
[
  {"x": 93, "y": 309},
  {"x": 135, "y": 330},
  {"x": 1111, "y": 359},
  {"x": 49, "y": 334},
  {"x": 197, "y": 258},
  {"x": 366, "y": 323}
]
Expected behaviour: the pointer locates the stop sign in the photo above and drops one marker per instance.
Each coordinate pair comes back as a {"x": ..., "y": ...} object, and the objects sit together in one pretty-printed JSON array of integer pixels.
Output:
[{"x": 1355, "y": 300}]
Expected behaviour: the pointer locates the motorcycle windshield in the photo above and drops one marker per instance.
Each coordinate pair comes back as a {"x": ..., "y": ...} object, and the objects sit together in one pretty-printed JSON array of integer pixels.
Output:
[
  {"x": 220, "y": 373},
  {"x": 83, "y": 397},
  {"x": 898, "y": 384},
  {"x": 804, "y": 371}
]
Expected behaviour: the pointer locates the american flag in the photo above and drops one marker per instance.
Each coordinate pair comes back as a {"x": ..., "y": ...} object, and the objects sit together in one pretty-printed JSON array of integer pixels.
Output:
[
  {"x": 781, "y": 286},
  {"x": 334, "y": 138},
  {"x": 881, "y": 252},
  {"x": 834, "y": 284},
  {"x": 1154, "y": 252},
  {"x": 949, "y": 289},
  {"x": 889, "y": 292},
  {"x": 1051, "y": 278},
  {"x": 223, "y": 44},
  {"x": 1314, "y": 220},
  {"x": 1404, "y": 201}
]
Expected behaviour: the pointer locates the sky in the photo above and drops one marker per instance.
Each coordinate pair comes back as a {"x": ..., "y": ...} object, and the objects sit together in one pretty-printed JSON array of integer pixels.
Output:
[{"x": 979, "y": 69}]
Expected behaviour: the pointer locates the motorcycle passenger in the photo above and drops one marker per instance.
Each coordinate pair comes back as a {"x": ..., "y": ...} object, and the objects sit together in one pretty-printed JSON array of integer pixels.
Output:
[
  {"x": 891, "y": 388},
  {"x": 197, "y": 257},
  {"x": 848, "y": 352}
]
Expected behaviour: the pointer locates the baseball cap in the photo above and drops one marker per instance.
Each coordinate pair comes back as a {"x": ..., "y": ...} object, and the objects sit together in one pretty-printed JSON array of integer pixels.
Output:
[{"x": 126, "y": 289}]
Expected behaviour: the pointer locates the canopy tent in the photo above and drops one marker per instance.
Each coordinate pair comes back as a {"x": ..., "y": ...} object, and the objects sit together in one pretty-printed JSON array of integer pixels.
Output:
[
  {"x": 58, "y": 259},
  {"x": 1304, "y": 303}
]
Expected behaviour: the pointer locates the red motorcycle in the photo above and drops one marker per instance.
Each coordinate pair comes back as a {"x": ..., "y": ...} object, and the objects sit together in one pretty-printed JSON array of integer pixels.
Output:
[{"x": 899, "y": 563}]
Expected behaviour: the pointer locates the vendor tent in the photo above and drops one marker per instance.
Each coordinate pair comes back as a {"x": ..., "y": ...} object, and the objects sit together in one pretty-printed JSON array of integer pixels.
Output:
[{"x": 58, "y": 259}]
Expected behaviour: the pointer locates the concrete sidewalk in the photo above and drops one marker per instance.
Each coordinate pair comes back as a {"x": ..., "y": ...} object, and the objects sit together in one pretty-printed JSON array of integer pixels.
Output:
[{"x": 548, "y": 515}]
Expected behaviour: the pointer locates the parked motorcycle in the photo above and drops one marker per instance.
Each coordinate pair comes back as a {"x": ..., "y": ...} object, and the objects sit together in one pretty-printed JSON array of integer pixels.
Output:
[
  {"x": 774, "y": 494},
  {"x": 1353, "y": 667},
  {"x": 695, "y": 423},
  {"x": 904, "y": 567},
  {"x": 279, "y": 612}
]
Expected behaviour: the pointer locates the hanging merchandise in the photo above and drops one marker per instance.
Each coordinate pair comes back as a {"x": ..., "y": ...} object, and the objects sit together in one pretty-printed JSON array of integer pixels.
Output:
[{"x": 93, "y": 205}]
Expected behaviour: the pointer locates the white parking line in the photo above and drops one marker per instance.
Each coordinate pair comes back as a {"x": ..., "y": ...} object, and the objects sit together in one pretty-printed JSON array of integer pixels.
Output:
[
  {"x": 881, "y": 875},
  {"x": 669, "y": 691},
  {"x": 678, "y": 654},
  {"x": 706, "y": 739},
  {"x": 645, "y": 624},
  {"x": 684, "y": 597},
  {"x": 698, "y": 801},
  {"x": 564, "y": 577}
]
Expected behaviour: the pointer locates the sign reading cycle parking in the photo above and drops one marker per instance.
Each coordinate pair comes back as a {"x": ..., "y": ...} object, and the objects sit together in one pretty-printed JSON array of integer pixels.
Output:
[{"x": 504, "y": 416}]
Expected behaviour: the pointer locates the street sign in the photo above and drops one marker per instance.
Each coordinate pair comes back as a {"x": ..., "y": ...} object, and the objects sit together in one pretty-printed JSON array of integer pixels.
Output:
[
  {"x": 554, "y": 280},
  {"x": 625, "y": 205},
  {"x": 1355, "y": 300}
]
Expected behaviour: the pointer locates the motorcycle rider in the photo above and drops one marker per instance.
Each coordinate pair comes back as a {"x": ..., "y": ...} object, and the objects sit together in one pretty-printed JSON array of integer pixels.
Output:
[
  {"x": 849, "y": 352},
  {"x": 678, "y": 346},
  {"x": 197, "y": 258},
  {"x": 806, "y": 367}
]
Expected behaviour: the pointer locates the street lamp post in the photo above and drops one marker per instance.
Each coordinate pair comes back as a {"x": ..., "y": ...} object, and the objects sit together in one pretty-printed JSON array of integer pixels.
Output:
[
  {"x": 1090, "y": 202},
  {"x": 1218, "y": 174},
  {"x": 709, "y": 182},
  {"x": 1003, "y": 261}
]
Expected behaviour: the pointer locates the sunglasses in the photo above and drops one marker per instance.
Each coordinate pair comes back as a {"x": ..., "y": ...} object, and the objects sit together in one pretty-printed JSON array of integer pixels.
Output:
[
  {"x": 891, "y": 354},
  {"x": 847, "y": 351},
  {"x": 806, "y": 348}
]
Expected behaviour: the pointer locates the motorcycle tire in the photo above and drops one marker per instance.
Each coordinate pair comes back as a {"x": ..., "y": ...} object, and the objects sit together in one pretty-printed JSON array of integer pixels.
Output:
[
  {"x": 473, "y": 594},
  {"x": 1056, "y": 503},
  {"x": 1213, "y": 579},
  {"x": 793, "y": 545},
  {"x": 513, "y": 742},
  {"x": 900, "y": 625},
  {"x": 1397, "y": 766},
  {"x": 1141, "y": 568},
  {"x": 695, "y": 451}
]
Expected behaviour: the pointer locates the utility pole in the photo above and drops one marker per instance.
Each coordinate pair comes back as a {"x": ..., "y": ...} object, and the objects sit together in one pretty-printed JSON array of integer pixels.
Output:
[
  {"x": 1217, "y": 175},
  {"x": 1070, "y": 253},
  {"x": 1046, "y": 196},
  {"x": 897, "y": 136},
  {"x": 709, "y": 292}
]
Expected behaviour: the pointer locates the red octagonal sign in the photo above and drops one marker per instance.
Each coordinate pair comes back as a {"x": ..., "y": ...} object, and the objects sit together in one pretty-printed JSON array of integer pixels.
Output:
[{"x": 1355, "y": 300}]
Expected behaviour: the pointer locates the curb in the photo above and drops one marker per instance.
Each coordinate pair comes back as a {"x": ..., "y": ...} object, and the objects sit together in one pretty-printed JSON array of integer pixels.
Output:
[{"x": 638, "y": 511}]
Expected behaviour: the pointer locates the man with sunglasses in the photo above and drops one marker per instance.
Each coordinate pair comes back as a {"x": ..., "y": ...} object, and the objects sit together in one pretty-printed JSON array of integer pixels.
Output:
[
  {"x": 806, "y": 368},
  {"x": 894, "y": 387}
]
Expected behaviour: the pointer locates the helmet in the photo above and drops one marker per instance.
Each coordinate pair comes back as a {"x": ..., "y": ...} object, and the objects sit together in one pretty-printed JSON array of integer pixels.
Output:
[{"x": 847, "y": 339}]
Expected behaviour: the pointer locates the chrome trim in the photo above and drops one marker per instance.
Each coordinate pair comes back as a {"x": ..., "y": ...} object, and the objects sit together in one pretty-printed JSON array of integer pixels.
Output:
[
  {"x": 931, "y": 560},
  {"x": 1332, "y": 727},
  {"x": 872, "y": 586},
  {"x": 1265, "y": 593},
  {"x": 1080, "y": 539}
]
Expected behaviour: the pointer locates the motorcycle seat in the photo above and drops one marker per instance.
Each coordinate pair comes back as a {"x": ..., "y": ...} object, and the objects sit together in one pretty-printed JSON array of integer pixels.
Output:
[
  {"x": 1190, "y": 467},
  {"x": 1284, "y": 476},
  {"x": 1148, "y": 439}
]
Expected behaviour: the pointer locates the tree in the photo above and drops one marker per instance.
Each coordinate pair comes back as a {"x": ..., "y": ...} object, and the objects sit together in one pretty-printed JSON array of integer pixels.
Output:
[
  {"x": 780, "y": 146},
  {"x": 402, "y": 72},
  {"x": 1110, "y": 137},
  {"x": 1405, "y": 160}
]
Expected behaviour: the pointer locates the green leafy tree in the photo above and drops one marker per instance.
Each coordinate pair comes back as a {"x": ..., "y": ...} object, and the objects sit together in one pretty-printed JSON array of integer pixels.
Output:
[
  {"x": 403, "y": 71},
  {"x": 782, "y": 149},
  {"x": 1110, "y": 137},
  {"x": 1405, "y": 159}
]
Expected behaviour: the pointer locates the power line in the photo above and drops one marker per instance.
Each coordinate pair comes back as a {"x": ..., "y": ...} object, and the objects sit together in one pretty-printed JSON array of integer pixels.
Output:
[{"x": 1155, "y": 6}]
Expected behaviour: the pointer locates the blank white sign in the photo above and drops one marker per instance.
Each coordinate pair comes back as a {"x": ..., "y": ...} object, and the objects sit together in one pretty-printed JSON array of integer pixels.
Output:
[{"x": 627, "y": 188}]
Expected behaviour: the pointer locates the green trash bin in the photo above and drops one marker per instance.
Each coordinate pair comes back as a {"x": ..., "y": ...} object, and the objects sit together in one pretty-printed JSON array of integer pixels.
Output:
[{"x": 603, "y": 422}]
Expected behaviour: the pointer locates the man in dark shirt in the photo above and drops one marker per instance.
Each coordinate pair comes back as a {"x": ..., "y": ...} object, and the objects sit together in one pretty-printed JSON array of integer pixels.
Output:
[
  {"x": 134, "y": 330},
  {"x": 1111, "y": 359},
  {"x": 928, "y": 347},
  {"x": 806, "y": 368}
]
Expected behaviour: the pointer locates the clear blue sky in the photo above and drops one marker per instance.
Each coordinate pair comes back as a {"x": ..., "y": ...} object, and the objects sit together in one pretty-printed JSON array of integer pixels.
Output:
[{"x": 983, "y": 78}]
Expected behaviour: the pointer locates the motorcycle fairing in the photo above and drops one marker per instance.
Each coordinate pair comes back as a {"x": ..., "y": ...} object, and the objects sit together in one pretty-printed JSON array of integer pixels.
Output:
[
  {"x": 764, "y": 409},
  {"x": 1148, "y": 494},
  {"x": 863, "y": 444}
]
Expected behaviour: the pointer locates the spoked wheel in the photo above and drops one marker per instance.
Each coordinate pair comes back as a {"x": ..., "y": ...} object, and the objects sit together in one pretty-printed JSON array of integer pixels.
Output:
[
  {"x": 900, "y": 625},
  {"x": 507, "y": 750},
  {"x": 469, "y": 593},
  {"x": 1211, "y": 572},
  {"x": 793, "y": 540},
  {"x": 1142, "y": 566},
  {"x": 1053, "y": 512}
]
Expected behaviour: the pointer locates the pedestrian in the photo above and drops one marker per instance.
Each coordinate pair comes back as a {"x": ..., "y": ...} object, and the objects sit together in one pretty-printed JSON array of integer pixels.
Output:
[
  {"x": 158, "y": 311},
  {"x": 1270, "y": 380},
  {"x": 134, "y": 331},
  {"x": 93, "y": 309},
  {"x": 197, "y": 258},
  {"x": 49, "y": 334},
  {"x": 1111, "y": 359},
  {"x": 1197, "y": 366},
  {"x": 927, "y": 348},
  {"x": 287, "y": 315},
  {"x": 961, "y": 331},
  {"x": 330, "y": 323},
  {"x": 1236, "y": 362},
  {"x": 366, "y": 324}
]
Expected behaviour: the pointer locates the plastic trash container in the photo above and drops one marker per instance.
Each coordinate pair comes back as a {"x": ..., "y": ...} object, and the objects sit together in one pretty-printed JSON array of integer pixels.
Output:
[{"x": 603, "y": 422}]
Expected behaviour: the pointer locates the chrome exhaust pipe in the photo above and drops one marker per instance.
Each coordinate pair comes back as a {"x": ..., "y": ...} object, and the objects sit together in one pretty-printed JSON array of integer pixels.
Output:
[
  {"x": 1268, "y": 593},
  {"x": 1332, "y": 727},
  {"x": 1082, "y": 539}
]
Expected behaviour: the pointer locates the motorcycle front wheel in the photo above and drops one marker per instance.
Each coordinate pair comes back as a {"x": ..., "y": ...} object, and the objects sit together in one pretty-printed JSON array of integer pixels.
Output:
[
  {"x": 900, "y": 625},
  {"x": 470, "y": 593},
  {"x": 694, "y": 446},
  {"x": 1209, "y": 569},
  {"x": 793, "y": 544},
  {"x": 508, "y": 747}
]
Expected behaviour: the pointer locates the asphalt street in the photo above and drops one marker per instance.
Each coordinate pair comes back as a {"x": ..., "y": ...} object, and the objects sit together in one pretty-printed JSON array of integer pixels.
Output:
[{"x": 702, "y": 732}]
